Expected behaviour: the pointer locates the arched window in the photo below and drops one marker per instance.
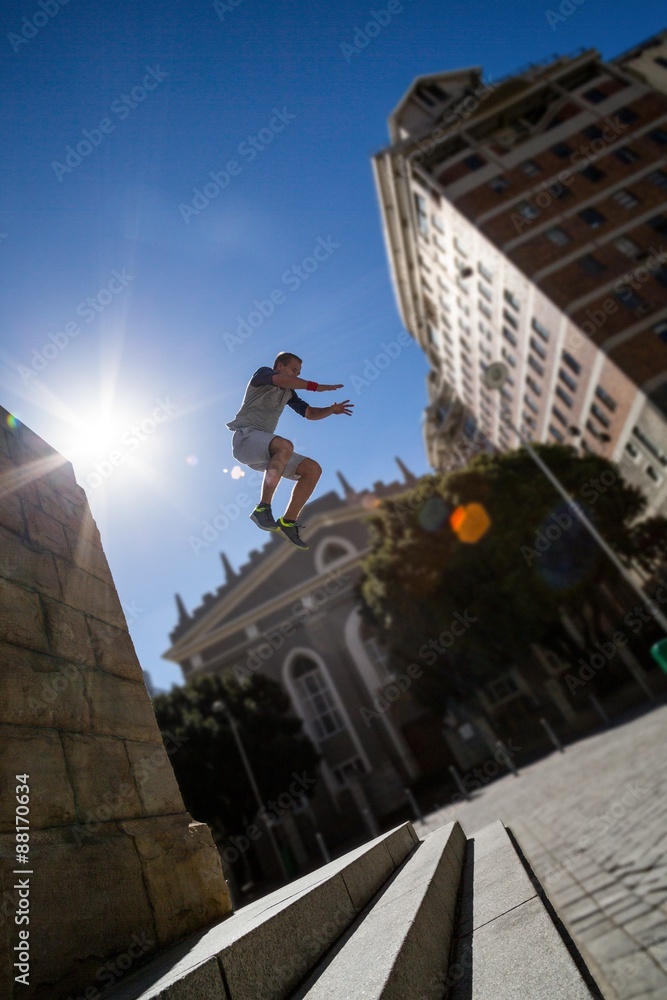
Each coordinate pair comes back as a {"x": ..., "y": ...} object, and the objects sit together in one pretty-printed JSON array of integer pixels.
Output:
[
  {"x": 331, "y": 551},
  {"x": 318, "y": 706}
]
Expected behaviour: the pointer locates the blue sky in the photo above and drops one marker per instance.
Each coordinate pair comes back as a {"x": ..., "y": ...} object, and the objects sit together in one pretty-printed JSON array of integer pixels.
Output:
[{"x": 125, "y": 292}]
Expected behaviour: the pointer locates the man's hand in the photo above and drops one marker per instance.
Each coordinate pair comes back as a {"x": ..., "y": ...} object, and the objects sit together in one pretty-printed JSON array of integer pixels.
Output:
[
  {"x": 344, "y": 407},
  {"x": 328, "y": 388}
]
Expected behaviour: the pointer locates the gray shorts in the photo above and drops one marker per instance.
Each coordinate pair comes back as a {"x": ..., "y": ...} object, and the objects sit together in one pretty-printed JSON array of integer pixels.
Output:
[{"x": 251, "y": 447}]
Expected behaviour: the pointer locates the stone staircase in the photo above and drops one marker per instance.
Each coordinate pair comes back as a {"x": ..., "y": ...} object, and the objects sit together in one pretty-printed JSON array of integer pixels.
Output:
[{"x": 447, "y": 917}]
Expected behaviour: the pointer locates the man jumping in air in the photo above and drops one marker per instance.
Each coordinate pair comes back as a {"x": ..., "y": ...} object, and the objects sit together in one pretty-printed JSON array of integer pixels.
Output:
[{"x": 256, "y": 444}]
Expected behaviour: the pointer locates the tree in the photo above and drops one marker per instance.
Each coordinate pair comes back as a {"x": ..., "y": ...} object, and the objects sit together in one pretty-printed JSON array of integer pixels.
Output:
[
  {"x": 466, "y": 611},
  {"x": 208, "y": 766}
]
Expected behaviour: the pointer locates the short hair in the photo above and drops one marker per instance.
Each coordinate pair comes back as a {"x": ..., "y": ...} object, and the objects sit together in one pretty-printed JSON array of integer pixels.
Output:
[{"x": 285, "y": 357}]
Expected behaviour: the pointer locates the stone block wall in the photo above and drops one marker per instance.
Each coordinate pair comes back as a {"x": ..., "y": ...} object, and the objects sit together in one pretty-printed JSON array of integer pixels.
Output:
[{"x": 116, "y": 869}]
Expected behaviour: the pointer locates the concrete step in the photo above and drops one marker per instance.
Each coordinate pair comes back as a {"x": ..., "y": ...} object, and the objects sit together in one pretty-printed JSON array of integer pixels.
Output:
[
  {"x": 266, "y": 949},
  {"x": 399, "y": 947},
  {"x": 510, "y": 943}
]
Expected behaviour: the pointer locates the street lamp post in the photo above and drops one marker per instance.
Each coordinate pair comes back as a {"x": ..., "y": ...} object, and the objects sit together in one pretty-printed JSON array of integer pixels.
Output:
[
  {"x": 219, "y": 707},
  {"x": 495, "y": 377}
]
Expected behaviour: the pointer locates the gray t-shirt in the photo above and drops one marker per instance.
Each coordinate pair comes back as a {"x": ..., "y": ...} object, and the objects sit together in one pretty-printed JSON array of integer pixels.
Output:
[{"x": 264, "y": 402}]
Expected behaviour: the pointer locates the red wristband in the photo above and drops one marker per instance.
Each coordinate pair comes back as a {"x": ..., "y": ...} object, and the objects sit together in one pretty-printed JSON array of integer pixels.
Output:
[{"x": 312, "y": 386}]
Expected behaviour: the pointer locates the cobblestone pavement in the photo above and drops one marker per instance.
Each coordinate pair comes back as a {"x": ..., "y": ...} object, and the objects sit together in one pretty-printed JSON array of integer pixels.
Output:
[{"x": 593, "y": 824}]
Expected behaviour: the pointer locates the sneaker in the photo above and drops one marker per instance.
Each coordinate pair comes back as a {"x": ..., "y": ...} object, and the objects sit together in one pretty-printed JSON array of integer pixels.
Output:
[
  {"x": 263, "y": 517},
  {"x": 291, "y": 530}
]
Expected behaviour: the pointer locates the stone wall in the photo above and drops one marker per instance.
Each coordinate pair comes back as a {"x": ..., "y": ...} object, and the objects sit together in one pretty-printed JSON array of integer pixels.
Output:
[{"x": 116, "y": 867}]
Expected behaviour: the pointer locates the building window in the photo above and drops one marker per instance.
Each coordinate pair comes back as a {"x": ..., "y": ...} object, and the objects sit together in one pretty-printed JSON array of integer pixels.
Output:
[
  {"x": 499, "y": 184},
  {"x": 558, "y": 236},
  {"x": 474, "y": 162},
  {"x": 627, "y": 247},
  {"x": 590, "y": 264},
  {"x": 528, "y": 210},
  {"x": 531, "y": 405},
  {"x": 561, "y": 150},
  {"x": 484, "y": 309},
  {"x": 592, "y": 173},
  {"x": 627, "y": 115},
  {"x": 316, "y": 700},
  {"x": 422, "y": 217},
  {"x": 570, "y": 362},
  {"x": 457, "y": 246},
  {"x": 659, "y": 178},
  {"x": 625, "y": 198},
  {"x": 632, "y": 451},
  {"x": 530, "y": 168},
  {"x": 659, "y": 223},
  {"x": 511, "y": 300},
  {"x": 659, "y": 135},
  {"x": 511, "y": 319},
  {"x": 486, "y": 274},
  {"x": 539, "y": 329},
  {"x": 508, "y": 335},
  {"x": 559, "y": 416},
  {"x": 555, "y": 433},
  {"x": 568, "y": 380},
  {"x": 652, "y": 474},
  {"x": 605, "y": 398},
  {"x": 437, "y": 224},
  {"x": 535, "y": 365},
  {"x": 486, "y": 292},
  {"x": 509, "y": 358},
  {"x": 533, "y": 386},
  {"x": 565, "y": 396},
  {"x": 599, "y": 415},
  {"x": 592, "y": 217},
  {"x": 539, "y": 348},
  {"x": 595, "y": 95},
  {"x": 635, "y": 303},
  {"x": 626, "y": 155},
  {"x": 661, "y": 275},
  {"x": 660, "y": 329},
  {"x": 346, "y": 773},
  {"x": 592, "y": 132}
]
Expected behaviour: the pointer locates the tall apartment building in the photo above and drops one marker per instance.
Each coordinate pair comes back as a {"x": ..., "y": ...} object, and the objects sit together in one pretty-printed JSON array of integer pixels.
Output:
[{"x": 526, "y": 222}]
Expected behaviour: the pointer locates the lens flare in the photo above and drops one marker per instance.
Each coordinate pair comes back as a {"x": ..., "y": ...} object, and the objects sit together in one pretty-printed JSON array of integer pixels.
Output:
[
  {"x": 237, "y": 472},
  {"x": 12, "y": 422},
  {"x": 470, "y": 522},
  {"x": 433, "y": 514}
]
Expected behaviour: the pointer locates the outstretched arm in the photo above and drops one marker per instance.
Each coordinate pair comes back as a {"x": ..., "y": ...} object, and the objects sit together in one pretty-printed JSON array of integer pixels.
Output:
[
  {"x": 319, "y": 412},
  {"x": 295, "y": 382}
]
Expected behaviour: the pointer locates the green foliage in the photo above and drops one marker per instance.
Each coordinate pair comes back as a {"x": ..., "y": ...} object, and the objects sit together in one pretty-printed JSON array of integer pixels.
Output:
[
  {"x": 535, "y": 561},
  {"x": 207, "y": 763}
]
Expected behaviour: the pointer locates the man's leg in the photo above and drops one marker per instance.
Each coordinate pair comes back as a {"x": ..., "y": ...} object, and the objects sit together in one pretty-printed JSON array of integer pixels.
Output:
[
  {"x": 280, "y": 450},
  {"x": 309, "y": 472}
]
